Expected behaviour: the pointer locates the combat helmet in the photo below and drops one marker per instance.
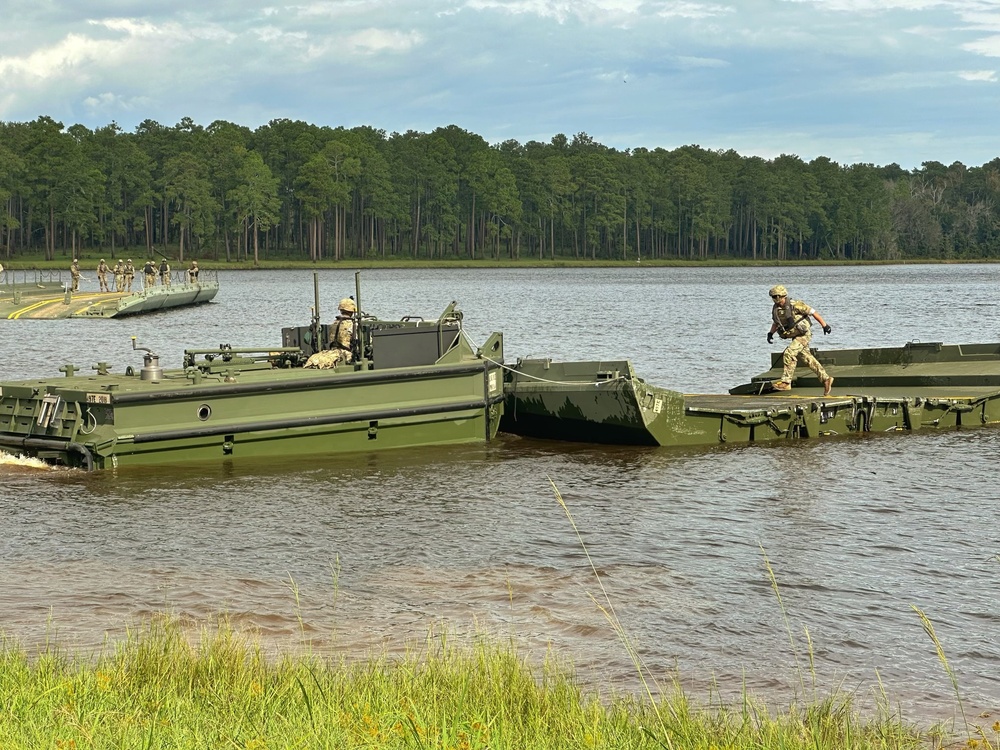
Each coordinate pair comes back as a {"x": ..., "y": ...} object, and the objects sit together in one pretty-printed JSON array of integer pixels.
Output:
[
  {"x": 778, "y": 291},
  {"x": 347, "y": 305}
]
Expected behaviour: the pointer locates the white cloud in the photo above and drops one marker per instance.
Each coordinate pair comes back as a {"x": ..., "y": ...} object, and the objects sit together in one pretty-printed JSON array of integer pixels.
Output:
[
  {"x": 370, "y": 41},
  {"x": 527, "y": 69},
  {"x": 337, "y": 8},
  {"x": 128, "y": 26},
  {"x": 110, "y": 102},
  {"x": 562, "y": 10},
  {"x": 174, "y": 32},
  {"x": 67, "y": 57},
  {"x": 987, "y": 46},
  {"x": 883, "y": 6},
  {"x": 982, "y": 19},
  {"x": 685, "y": 9},
  {"x": 274, "y": 34},
  {"x": 978, "y": 75},
  {"x": 689, "y": 63},
  {"x": 366, "y": 42}
]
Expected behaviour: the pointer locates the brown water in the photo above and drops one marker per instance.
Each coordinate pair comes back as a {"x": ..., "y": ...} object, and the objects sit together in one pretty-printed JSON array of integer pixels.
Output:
[{"x": 376, "y": 551}]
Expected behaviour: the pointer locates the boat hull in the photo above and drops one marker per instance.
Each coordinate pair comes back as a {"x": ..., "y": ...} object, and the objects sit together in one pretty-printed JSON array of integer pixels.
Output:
[
  {"x": 104, "y": 421},
  {"x": 905, "y": 389}
]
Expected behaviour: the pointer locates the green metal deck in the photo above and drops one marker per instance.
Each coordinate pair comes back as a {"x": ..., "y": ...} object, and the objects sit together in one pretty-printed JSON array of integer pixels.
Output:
[
  {"x": 915, "y": 387},
  {"x": 34, "y": 296}
]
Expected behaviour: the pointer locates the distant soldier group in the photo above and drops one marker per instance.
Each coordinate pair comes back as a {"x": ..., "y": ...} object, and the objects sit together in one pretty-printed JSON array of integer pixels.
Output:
[{"x": 124, "y": 274}]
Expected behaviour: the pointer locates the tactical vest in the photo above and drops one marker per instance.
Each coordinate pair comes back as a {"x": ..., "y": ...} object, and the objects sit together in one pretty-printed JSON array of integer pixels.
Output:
[
  {"x": 335, "y": 334},
  {"x": 788, "y": 326}
]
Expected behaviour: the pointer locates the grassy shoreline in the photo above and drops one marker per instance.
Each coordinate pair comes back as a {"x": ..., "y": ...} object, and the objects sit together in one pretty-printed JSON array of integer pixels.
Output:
[
  {"x": 163, "y": 686},
  {"x": 88, "y": 262}
]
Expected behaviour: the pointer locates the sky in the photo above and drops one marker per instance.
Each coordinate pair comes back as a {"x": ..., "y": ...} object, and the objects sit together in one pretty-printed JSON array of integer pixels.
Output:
[{"x": 857, "y": 81}]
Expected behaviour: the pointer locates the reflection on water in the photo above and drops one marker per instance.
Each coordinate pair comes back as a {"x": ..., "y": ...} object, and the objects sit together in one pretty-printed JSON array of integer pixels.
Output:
[{"x": 352, "y": 553}]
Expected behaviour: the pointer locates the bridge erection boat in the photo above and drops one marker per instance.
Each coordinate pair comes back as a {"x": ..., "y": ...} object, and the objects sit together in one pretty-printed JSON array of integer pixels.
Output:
[
  {"x": 412, "y": 382},
  {"x": 918, "y": 386},
  {"x": 31, "y": 295}
]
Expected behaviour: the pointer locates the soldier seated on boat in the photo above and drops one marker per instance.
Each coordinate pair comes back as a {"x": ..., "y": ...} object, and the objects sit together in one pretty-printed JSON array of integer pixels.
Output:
[
  {"x": 341, "y": 340},
  {"x": 790, "y": 320}
]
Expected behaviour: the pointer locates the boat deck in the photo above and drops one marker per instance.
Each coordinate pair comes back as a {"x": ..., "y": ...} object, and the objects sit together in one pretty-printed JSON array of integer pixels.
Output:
[
  {"x": 725, "y": 402},
  {"x": 52, "y": 301},
  {"x": 882, "y": 390}
]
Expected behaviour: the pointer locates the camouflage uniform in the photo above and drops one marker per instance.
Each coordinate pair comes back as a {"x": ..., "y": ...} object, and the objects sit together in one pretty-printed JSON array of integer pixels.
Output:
[
  {"x": 149, "y": 271},
  {"x": 164, "y": 272},
  {"x": 102, "y": 275},
  {"x": 343, "y": 331},
  {"x": 119, "y": 277},
  {"x": 74, "y": 271},
  {"x": 129, "y": 272},
  {"x": 797, "y": 327}
]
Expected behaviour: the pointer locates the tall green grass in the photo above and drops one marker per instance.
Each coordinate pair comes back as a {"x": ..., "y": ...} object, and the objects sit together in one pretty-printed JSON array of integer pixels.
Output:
[{"x": 165, "y": 685}]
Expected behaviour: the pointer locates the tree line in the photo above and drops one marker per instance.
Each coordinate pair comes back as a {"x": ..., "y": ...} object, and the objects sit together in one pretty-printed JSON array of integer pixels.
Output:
[{"x": 289, "y": 189}]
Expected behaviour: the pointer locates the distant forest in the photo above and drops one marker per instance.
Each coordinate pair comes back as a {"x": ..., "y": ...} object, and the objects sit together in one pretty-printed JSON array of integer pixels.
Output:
[{"x": 293, "y": 190}]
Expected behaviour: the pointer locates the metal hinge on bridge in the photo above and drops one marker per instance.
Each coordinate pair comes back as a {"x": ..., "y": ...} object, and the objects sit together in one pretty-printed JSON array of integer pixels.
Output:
[{"x": 51, "y": 406}]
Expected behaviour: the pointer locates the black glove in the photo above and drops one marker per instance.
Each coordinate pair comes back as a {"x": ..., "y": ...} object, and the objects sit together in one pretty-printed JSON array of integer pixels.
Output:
[
  {"x": 827, "y": 329},
  {"x": 770, "y": 337}
]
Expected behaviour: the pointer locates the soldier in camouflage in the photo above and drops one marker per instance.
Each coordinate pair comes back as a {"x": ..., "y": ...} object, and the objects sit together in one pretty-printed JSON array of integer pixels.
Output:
[
  {"x": 102, "y": 275},
  {"x": 340, "y": 340},
  {"x": 129, "y": 271},
  {"x": 790, "y": 320}
]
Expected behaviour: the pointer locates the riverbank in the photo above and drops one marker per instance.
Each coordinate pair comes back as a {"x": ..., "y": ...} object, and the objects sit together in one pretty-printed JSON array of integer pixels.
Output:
[
  {"x": 89, "y": 261},
  {"x": 168, "y": 685}
]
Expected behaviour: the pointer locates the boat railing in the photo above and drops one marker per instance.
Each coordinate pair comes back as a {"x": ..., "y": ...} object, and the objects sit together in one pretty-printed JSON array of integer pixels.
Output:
[{"x": 30, "y": 277}]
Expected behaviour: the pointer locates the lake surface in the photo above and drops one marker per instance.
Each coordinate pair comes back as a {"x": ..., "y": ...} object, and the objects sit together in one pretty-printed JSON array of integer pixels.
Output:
[{"x": 372, "y": 552}]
